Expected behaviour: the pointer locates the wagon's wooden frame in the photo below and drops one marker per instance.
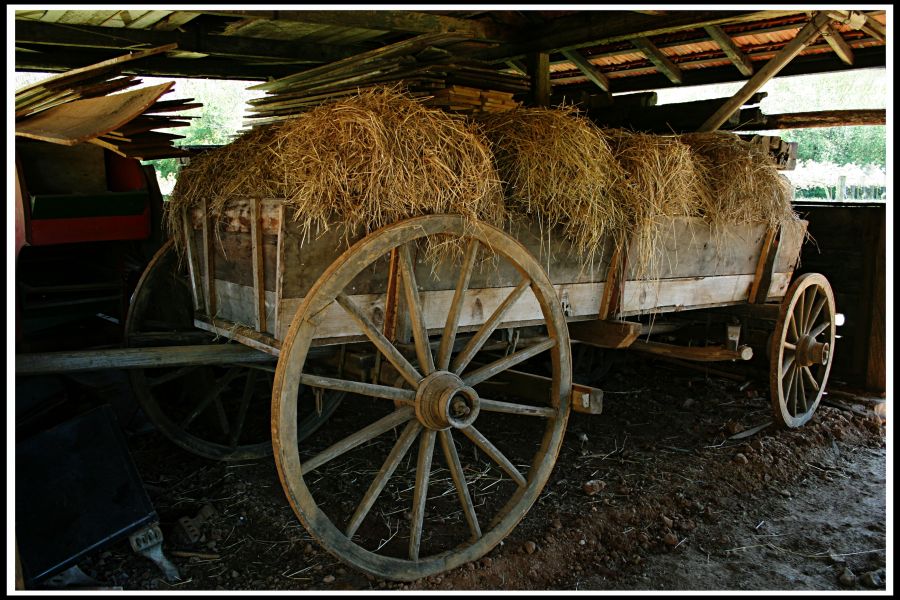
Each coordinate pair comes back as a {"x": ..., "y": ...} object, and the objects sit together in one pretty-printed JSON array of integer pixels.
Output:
[{"x": 250, "y": 276}]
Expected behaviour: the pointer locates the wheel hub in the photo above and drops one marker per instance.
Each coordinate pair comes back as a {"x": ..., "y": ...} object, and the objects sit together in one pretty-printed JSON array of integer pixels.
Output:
[
  {"x": 443, "y": 401},
  {"x": 811, "y": 352}
]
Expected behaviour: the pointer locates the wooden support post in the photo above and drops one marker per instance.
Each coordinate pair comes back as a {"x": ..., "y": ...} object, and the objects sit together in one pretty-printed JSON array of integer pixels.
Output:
[
  {"x": 279, "y": 270},
  {"x": 762, "y": 279},
  {"x": 259, "y": 273},
  {"x": 662, "y": 62},
  {"x": 136, "y": 358},
  {"x": 805, "y": 37},
  {"x": 605, "y": 334},
  {"x": 589, "y": 69},
  {"x": 838, "y": 44},
  {"x": 731, "y": 50},
  {"x": 696, "y": 353},
  {"x": 209, "y": 260},
  {"x": 614, "y": 287},
  {"x": 539, "y": 70}
]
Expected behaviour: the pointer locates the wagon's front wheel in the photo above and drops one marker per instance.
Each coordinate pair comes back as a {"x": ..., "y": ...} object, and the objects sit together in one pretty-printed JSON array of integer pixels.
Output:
[
  {"x": 802, "y": 349},
  {"x": 361, "y": 485}
]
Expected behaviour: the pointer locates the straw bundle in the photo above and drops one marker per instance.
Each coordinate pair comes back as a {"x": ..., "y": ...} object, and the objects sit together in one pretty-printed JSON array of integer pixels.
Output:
[
  {"x": 744, "y": 186},
  {"x": 663, "y": 182},
  {"x": 558, "y": 168},
  {"x": 362, "y": 162}
]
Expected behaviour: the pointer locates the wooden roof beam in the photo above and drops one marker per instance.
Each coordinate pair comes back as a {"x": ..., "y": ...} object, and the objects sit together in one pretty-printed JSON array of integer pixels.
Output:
[
  {"x": 804, "y": 38},
  {"x": 838, "y": 44},
  {"x": 590, "y": 70},
  {"x": 731, "y": 50},
  {"x": 595, "y": 28},
  {"x": 662, "y": 62},
  {"x": 124, "y": 39},
  {"x": 405, "y": 21}
]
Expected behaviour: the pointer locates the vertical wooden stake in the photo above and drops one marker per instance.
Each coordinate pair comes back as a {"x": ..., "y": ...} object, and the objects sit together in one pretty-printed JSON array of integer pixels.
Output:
[
  {"x": 259, "y": 273},
  {"x": 209, "y": 260},
  {"x": 191, "y": 257},
  {"x": 762, "y": 279},
  {"x": 539, "y": 70},
  {"x": 279, "y": 269}
]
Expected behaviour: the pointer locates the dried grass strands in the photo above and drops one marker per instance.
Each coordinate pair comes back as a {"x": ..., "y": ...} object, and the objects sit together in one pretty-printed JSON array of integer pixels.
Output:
[
  {"x": 663, "y": 182},
  {"x": 558, "y": 168},
  {"x": 743, "y": 182},
  {"x": 362, "y": 163}
]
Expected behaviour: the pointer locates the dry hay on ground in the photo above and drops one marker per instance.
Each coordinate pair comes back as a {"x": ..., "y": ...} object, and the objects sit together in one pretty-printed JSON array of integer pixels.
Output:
[
  {"x": 743, "y": 184},
  {"x": 557, "y": 168},
  {"x": 663, "y": 181},
  {"x": 362, "y": 162}
]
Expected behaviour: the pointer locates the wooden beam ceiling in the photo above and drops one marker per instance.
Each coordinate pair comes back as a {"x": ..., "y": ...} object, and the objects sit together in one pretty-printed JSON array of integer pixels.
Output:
[
  {"x": 383, "y": 20},
  {"x": 731, "y": 50},
  {"x": 588, "y": 69},
  {"x": 838, "y": 44},
  {"x": 662, "y": 62}
]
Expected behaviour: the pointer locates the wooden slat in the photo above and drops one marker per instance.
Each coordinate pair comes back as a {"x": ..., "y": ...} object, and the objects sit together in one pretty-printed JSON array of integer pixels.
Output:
[
  {"x": 78, "y": 121},
  {"x": 763, "y": 275},
  {"x": 731, "y": 50},
  {"x": 209, "y": 260},
  {"x": 259, "y": 273}
]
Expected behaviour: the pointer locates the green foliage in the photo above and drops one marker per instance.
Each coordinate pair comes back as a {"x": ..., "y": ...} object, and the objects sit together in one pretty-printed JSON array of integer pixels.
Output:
[{"x": 841, "y": 145}]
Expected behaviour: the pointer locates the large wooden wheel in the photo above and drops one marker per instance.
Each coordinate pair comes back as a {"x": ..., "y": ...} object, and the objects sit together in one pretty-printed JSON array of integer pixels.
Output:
[
  {"x": 802, "y": 349},
  {"x": 352, "y": 483},
  {"x": 215, "y": 411}
]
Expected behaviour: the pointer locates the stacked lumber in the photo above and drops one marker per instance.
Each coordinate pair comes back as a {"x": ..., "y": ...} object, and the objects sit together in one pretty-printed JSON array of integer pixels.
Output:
[
  {"x": 469, "y": 100},
  {"x": 126, "y": 123},
  {"x": 784, "y": 153},
  {"x": 422, "y": 66}
]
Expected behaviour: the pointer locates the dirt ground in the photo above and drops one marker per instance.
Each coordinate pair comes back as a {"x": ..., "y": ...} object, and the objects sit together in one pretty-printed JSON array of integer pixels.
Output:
[{"x": 680, "y": 501}]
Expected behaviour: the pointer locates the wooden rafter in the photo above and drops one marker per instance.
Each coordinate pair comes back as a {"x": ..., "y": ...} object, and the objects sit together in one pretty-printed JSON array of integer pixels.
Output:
[
  {"x": 804, "y": 37},
  {"x": 838, "y": 44},
  {"x": 731, "y": 50},
  {"x": 662, "y": 62},
  {"x": 595, "y": 28},
  {"x": 383, "y": 20},
  {"x": 591, "y": 71}
]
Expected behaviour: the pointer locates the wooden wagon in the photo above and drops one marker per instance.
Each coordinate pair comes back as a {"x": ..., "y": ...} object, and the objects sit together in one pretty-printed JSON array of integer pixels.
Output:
[{"x": 381, "y": 344}]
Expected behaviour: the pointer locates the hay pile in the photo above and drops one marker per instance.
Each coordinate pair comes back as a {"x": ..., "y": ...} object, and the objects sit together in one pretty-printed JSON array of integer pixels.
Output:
[
  {"x": 742, "y": 182},
  {"x": 663, "y": 181},
  {"x": 362, "y": 162},
  {"x": 558, "y": 168}
]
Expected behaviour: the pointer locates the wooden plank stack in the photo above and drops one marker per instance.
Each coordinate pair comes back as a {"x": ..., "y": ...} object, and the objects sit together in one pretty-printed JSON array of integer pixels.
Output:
[
  {"x": 784, "y": 153},
  {"x": 422, "y": 66},
  {"x": 139, "y": 138}
]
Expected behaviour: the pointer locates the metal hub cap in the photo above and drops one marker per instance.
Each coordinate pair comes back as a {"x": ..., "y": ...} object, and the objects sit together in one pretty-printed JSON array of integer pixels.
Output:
[
  {"x": 443, "y": 401},
  {"x": 811, "y": 352}
]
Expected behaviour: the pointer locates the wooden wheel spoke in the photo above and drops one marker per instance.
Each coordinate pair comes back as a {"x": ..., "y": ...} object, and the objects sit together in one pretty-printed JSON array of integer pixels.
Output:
[
  {"x": 416, "y": 315},
  {"x": 210, "y": 396},
  {"x": 792, "y": 327},
  {"x": 387, "y": 470},
  {"x": 409, "y": 372},
  {"x": 816, "y": 311},
  {"x": 423, "y": 470},
  {"x": 360, "y": 437},
  {"x": 459, "y": 480},
  {"x": 359, "y": 387},
  {"x": 801, "y": 388},
  {"x": 787, "y": 364},
  {"x": 808, "y": 304},
  {"x": 181, "y": 372},
  {"x": 788, "y": 392},
  {"x": 223, "y": 418},
  {"x": 517, "y": 409},
  {"x": 488, "y": 448},
  {"x": 809, "y": 377},
  {"x": 820, "y": 328},
  {"x": 484, "y": 332},
  {"x": 462, "y": 285},
  {"x": 507, "y": 362},
  {"x": 789, "y": 346},
  {"x": 246, "y": 397},
  {"x": 800, "y": 310}
]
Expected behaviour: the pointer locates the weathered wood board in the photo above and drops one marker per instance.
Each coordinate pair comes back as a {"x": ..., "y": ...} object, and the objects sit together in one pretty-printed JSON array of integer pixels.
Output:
[{"x": 695, "y": 267}]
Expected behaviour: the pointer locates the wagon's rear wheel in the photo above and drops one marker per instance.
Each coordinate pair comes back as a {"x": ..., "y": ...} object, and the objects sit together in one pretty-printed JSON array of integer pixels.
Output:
[
  {"x": 361, "y": 485},
  {"x": 802, "y": 349},
  {"x": 216, "y": 411}
]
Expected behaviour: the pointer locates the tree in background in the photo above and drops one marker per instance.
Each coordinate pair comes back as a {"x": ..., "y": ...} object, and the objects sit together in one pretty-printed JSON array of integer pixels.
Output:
[{"x": 841, "y": 145}]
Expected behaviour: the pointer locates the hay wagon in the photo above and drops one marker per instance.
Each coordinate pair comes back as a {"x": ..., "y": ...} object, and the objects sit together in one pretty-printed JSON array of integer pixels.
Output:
[{"x": 453, "y": 333}]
